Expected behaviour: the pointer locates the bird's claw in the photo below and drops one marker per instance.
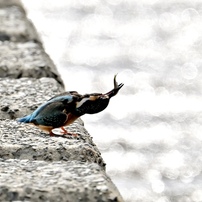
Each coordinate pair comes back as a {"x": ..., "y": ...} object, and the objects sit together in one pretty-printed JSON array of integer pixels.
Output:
[{"x": 62, "y": 132}]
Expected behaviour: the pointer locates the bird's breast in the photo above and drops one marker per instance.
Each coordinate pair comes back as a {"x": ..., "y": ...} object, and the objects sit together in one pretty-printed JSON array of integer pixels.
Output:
[
  {"x": 45, "y": 128},
  {"x": 71, "y": 118}
]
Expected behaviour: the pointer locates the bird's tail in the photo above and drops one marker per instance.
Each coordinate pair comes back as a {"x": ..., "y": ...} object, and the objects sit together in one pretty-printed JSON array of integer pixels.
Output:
[
  {"x": 116, "y": 89},
  {"x": 25, "y": 119}
]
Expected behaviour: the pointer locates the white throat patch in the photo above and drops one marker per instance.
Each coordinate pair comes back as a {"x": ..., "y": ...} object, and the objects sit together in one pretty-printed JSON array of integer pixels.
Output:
[{"x": 78, "y": 104}]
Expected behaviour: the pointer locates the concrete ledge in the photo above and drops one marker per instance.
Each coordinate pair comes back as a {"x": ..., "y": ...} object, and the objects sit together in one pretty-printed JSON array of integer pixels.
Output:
[
  {"x": 21, "y": 51},
  {"x": 19, "y": 97},
  {"x": 72, "y": 181},
  {"x": 26, "y": 60},
  {"x": 14, "y": 24},
  {"x": 20, "y": 141}
]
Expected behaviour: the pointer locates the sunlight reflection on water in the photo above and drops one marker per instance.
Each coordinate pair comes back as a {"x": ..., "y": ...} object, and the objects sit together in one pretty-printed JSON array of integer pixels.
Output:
[{"x": 150, "y": 134}]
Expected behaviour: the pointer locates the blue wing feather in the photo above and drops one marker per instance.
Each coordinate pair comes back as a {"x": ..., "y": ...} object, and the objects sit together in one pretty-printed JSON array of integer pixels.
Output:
[
  {"x": 25, "y": 119},
  {"x": 30, "y": 117}
]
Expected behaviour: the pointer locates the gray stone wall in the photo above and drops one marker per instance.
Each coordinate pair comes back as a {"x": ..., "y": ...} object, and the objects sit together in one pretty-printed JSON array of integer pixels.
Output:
[{"x": 33, "y": 165}]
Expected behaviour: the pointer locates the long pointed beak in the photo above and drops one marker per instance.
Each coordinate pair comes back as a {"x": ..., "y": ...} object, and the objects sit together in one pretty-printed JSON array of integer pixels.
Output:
[{"x": 116, "y": 89}]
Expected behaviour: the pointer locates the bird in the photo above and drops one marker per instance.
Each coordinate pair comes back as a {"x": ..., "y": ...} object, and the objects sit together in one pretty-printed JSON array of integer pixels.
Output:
[{"x": 64, "y": 108}]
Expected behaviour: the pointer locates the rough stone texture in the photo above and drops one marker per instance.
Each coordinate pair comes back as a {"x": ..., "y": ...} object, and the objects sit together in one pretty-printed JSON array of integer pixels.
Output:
[
  {"x": 19, "y": 97},
  {"x": 72, "y": 181},
  {"x": 21, "y": 51},
  {"x": 24, "y": 141},
  {"x": 14, "y": 26},
  {"x": 26, "y": 60}
]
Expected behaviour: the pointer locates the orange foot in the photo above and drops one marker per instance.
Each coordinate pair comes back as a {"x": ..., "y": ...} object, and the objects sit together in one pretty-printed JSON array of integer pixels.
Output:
[{"x": 64, "y": 133}]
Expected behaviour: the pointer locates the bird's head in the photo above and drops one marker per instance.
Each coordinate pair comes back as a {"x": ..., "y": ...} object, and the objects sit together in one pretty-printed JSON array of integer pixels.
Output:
[{"x": 96, "y": 102}]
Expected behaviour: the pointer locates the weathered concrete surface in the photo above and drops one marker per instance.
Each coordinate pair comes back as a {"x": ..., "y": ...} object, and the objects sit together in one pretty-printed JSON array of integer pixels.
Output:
[
  {"x": 26, "y": 60},
  {"x": 19, "y": 97},
  {"x": 22, "y": 141},
  {"x": 21, "y": 52},
  {"x": 71, "y": 181},
  {"x": 14, "y": 24}
]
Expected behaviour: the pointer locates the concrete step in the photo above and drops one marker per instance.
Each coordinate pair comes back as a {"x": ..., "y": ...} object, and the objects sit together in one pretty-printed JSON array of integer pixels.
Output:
[{"x": 25, "y": 180}]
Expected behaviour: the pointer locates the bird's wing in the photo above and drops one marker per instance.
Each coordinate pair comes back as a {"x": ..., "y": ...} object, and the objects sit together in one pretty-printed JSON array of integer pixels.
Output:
[
  {"x": 54, "y": 114},
  {"x": 30, "y": 117},
  {"x": 65, "y": 98},
  {"x": 57, "y": 99}
]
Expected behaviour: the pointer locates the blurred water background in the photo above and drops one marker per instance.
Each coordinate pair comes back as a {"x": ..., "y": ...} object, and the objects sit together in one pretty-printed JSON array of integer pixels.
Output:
[{"x": 151, "y": 134}]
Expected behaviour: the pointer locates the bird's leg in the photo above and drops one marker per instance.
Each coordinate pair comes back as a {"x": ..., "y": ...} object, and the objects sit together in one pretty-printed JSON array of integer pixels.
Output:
[
  {"x": 64, "y": 131},
  {"x": 56, "y": 133}
]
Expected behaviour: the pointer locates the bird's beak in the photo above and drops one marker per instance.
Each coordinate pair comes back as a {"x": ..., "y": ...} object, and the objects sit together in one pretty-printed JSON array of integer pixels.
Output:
[{"x": 116, "y": 89}]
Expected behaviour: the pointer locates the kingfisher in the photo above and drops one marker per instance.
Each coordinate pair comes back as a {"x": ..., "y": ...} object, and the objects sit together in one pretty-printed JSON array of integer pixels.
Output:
[{"x": 63, "y": 109}]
